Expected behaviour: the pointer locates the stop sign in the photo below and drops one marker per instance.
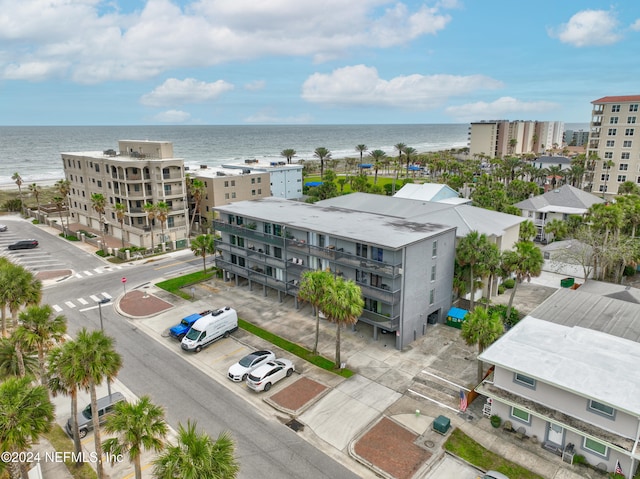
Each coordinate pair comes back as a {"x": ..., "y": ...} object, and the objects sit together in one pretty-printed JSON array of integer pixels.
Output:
[{"x": 124, "y": 280}]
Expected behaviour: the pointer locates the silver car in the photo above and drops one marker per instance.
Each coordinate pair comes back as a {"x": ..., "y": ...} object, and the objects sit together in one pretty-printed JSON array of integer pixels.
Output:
[
  {"x": 493, "y": 475},
  {"x": 85, "y": 422}
]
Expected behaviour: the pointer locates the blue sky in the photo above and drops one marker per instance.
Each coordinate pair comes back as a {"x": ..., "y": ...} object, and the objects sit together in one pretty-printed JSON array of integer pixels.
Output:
[{"x": 137, "y": 62}]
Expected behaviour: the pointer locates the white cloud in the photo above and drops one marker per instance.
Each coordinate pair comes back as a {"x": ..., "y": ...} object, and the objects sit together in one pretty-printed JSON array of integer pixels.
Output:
[
  {"x": 34, "y": 71},
  {"x": 95, "y": 42},
  {"x": 255, "y": 85},
  {"x": 588, "y": 28},
  {"x": 189, "y": 90},
  {"x": 361, "y": 85},
  {"x": 501, "y": 108},
  {"x": 172, "y": 116},
  {"x": 635, "y": 26}
]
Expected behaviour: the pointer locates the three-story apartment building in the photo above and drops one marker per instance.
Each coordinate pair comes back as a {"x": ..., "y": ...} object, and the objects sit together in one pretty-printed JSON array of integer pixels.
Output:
[
  {"x": 575, "y": 388},
  {"x": 140, "y": 172},
  {"x": 404, "y": 268}
]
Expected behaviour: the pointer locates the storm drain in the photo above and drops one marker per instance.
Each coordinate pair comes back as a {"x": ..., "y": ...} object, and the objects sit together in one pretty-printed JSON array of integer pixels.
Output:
[{"x": 295, "y": 425}]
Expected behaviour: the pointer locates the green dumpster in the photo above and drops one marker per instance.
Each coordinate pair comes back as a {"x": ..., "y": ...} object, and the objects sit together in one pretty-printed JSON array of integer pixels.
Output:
[
  {"x": 441, "y": 424},
  {"x": 567, "y": 282}
]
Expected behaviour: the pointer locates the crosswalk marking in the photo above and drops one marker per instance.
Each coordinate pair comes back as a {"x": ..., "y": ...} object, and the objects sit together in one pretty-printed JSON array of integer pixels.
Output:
[
  {"x": 107, "y": 295},
  {"x": 94, "y": 298},
  {"x": 70, "y": 304},
  {"x": 88, "y": 273},
  {"x": 83, "y": 301},
  {"x": 57, "y": 308}
]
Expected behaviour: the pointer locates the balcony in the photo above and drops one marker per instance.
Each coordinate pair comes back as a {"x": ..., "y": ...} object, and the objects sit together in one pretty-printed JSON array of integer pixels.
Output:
[
  {"x": 229, "y": 248},
  {"x": 308, "y": 249},
  {"x": 248, "y": 233},
  {"x": 390, "y": 323},
  {"x": 377, "y": 267},
  {"x": 383, "y": 294},
  {"x": 258, "y": 256}
]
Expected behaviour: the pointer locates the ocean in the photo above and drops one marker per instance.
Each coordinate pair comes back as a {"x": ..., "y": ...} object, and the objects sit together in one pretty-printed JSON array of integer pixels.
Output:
[{"x": 34, "y": 151}]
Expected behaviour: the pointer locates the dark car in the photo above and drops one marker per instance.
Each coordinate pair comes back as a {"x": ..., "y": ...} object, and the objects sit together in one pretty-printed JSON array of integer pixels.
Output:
[{"x": 24, "y": 244}]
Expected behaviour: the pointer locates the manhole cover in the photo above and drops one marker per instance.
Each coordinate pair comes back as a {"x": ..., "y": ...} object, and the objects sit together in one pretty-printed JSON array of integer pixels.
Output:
[
  {"x": 429, "y": 444},
  {"x": 295, "y": 425}
]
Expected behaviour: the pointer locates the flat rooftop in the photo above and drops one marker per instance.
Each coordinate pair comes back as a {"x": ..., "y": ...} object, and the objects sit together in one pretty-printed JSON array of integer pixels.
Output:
[
  {"x": 220, "y": 172},
  {"x": 354, "y": 225},
  {"x": 586, "y": 362}
]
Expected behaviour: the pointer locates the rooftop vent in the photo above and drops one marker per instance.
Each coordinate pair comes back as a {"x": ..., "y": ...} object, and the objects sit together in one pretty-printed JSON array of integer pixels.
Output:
[
  {"x": 109, "y": 152},
  {"x": 246, "y": 171},
  {"x": 220, "y": 173}
]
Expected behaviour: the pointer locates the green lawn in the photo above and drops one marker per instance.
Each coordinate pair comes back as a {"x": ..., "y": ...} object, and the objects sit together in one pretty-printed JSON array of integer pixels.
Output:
[
  {"x": 466, "y": 448},
  {"x": 382, "y": 180}
]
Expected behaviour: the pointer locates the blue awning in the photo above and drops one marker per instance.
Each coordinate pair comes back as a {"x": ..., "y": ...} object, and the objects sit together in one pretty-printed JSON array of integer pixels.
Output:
[
  {"x": 457, "y": 313},
  {"x": 415, "y": 168},
  {"x": 313, "y": 183}
]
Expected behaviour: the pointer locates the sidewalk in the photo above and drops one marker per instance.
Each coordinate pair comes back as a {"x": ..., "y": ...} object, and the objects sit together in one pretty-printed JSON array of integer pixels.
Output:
[{"x": 364, "y": 416}]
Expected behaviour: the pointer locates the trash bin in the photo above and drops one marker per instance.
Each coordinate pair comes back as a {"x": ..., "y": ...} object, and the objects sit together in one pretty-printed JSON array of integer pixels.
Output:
[{"x": 567, "y": 282}]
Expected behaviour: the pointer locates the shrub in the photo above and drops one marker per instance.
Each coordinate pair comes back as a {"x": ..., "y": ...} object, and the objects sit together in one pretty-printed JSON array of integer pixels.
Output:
[
  {"x": 629, "y": 271},
  {"x": 509, "y": 283},
  {"x": 495, "y": 420},
  {"x": 500, "y": 289},
  {"x": 501, "y": 309},
  {"x": 579, "y": 459},
  {"x": 12, "y": 205},
  {"x": 35, "y": 222}
]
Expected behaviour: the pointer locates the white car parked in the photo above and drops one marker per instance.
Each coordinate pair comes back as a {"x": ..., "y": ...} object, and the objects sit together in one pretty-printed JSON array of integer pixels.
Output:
[
  {"x": 270, "y": 373},
  {"x": 240, "y": 370}
]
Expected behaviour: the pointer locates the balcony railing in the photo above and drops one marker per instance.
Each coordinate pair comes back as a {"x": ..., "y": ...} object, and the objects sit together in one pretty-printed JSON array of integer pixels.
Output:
[
  {"x": 380, "y": 294},
  {"x": 390, "y": 323},
  {"x": 248, "y": 233}
]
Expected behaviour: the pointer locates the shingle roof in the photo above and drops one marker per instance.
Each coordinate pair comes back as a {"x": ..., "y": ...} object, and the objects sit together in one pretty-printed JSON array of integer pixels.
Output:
[
  {"x": 614, "y": 99},
  {"x": 564, "y": 199}
]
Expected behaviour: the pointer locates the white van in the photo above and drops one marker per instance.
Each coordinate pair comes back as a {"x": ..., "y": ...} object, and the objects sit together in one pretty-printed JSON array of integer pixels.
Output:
[{"x": 215, "y": 325}]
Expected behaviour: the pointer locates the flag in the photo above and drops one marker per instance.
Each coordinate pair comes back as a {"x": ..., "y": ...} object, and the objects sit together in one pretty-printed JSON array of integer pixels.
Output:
[
  {"x": 463, "y": 401},
  {"x": 618, "y": 468}
]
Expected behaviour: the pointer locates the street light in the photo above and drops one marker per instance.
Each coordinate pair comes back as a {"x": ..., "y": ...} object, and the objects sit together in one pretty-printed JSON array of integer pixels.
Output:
[{"x": 100, "y": 303}]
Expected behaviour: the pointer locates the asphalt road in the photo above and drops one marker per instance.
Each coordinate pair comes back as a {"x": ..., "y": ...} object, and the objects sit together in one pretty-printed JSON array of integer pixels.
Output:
[{"x": 265, "y": 447}]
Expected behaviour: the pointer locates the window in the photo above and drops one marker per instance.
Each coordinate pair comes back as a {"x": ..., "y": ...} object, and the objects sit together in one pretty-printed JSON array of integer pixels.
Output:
[
  {"x": 624, "y": 166},
  {"x": 253, "y": 192},
  {"x": 233, "y": 194},
  {"x": 520, "y": 415},
  {"x": 622, "y": 178},
  {"x": 99, "y": 184},
  {"x": 633, "y": 107},
  {"x": 226, "y": 196},
  {"x": 595, "y": 447},
  {"x": 628, "y": 132},
  {"x": 524, "y": 380},
  {"x": 625, "y": 156},
  {"x": 253, "y": 181},
  {"x": 600, "y": 408},
  {"x": 241, "y": 261},
  {"x": 277, "y": 252},
  {"x": 608, "y": 155},
  {"x": 638, "y": 180},
  {"x": 434, "y": 248},
  {"x": 432, "y": 296},
  {"x": 611, "y": 143},
  {"x": 171, "y": 222},
  {"x": 615, "y": 108},
  {"x": 603, "y": 188},
  {"x": 361, "y": 250},
  {"x": 613, "y": 120},
  {"x": 241, "y": 241},
  {"x": 233, "y": 182},
  {"x": 433, "y": 272},
  {"x": 259, "y": 191},
  {"x": 631, "y": 119},
  {"x": 613, "y": 131},
  {"x": 234, "y": 259},
  {"x": 626, "y": 144},
  {"x": 226, "y": 184},
  {"x": 259, "y": 179}
]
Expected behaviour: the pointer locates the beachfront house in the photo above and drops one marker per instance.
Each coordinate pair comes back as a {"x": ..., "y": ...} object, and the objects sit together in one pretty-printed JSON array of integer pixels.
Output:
[
  {"x": 404, "y": 268},
  {"x": 575, "y": 388},
  {"x": 138, "y": 173}
]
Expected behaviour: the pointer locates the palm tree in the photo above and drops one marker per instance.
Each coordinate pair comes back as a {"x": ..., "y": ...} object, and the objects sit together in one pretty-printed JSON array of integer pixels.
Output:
[
  {"x": 138, "y": 426},
  {"x": 162, "y": 213},
  {"x": 470, "y": 252},
  {"x": 38, "y": 330},
  {"x": 377, "y": 156},
  {"x": 361, "y": 149},
  {"x": 399, "y": 147},
  {"x": 197, "y": 456},
  {"x": 16, "y": 362},
  {"x": 59, "y": 202},
  {"x": 35, "y": 191},
  {"x": 313, "y": 289},
  {"x": 121, "y": 211},
  {"x": 197, "y": 190},
  {"x": 18, "y": 288},
  {"x": 528, "y": 231},
  {"x": 98, "y": 362},
  {"x": 606, "y": 165},
  {"x": 18, "y": 180},
  {"x": 65, "y": 377},
  {"x": 64, "y": 189},
  {"x": 151, "y": 211},
  {"x": 554, "y": 172},
  {"x": 288, "y": 154},
  {"x": 409, "y": 151},
  {"x": 525, "y": 261},
  {"x": 481, "y": 328},
  {"x": 25, "y": 414},
  {"x": 343, "y": 304},
  {"x": 512, "y": 145},
  {"x": 99, "y": 204},
  {"x": 202, "y": 246},
  {"x": 322, "y": 154}
]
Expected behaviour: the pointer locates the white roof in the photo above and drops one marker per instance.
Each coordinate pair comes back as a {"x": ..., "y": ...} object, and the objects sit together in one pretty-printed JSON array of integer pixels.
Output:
[
  {"x": 589, "y": 363},
  {"x": 426, "y": 192}
]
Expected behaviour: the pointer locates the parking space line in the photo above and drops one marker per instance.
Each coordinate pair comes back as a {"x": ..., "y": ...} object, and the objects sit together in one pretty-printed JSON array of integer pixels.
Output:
[
  {"x": 444, "y": 380},
  {"x": 432, "y": 400}
]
